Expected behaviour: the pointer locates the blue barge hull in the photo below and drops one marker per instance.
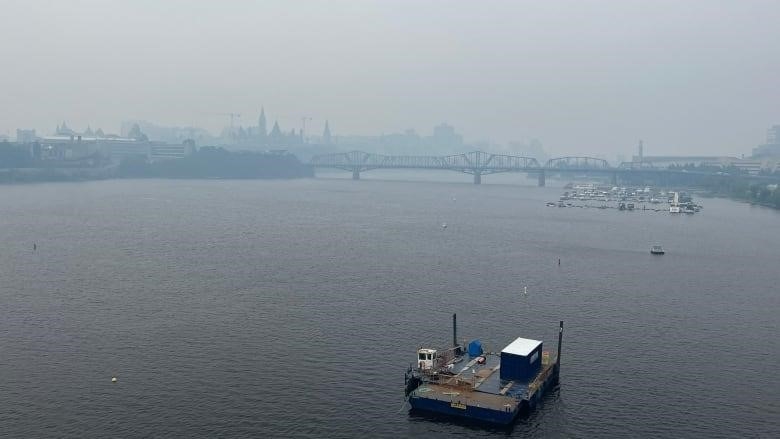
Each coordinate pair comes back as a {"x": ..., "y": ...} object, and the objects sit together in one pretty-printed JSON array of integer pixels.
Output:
[
  {"x": 471, "y": 412},
  {"x": 483, "y": 406}
]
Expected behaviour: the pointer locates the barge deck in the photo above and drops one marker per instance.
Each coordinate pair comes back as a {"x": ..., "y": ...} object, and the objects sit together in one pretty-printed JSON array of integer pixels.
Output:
[{"x": 474, "y": 387}]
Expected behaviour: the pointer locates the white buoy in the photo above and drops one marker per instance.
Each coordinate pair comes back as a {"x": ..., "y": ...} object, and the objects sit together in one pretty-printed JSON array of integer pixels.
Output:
[{"x": 113, "y": 379}]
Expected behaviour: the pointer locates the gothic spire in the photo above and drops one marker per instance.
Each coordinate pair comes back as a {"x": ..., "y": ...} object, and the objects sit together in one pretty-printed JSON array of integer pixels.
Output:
[
  {"x": 326, "y": 133},
  {"x": 262, "y": 130},
  {"x": 276, "y": 131}
]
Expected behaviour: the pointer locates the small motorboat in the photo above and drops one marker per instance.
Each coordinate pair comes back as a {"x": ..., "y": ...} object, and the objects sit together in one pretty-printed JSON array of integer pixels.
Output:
[{"x": 657, "y": 250}]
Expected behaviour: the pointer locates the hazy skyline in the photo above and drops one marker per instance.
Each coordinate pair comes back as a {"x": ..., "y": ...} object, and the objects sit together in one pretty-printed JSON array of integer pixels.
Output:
[{"x": 696, "y": 77}]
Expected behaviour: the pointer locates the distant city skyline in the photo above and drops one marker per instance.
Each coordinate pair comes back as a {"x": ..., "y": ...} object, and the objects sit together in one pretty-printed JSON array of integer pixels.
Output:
[
  {"x": 444, "y": 139},
  {"x": 312, "y": 133},
  {"x": 694, "y": 77}
]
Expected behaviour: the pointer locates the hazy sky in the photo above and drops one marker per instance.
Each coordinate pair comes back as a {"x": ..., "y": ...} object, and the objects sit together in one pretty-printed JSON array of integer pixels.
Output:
[{"x": 590, "y": 77}]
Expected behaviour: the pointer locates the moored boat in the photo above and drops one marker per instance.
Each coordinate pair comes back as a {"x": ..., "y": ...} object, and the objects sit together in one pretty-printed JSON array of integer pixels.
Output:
[{"x": 674, "y": 206}]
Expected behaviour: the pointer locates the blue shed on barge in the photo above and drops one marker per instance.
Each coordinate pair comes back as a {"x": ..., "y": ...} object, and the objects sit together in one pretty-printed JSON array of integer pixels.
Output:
[
  {"x": 521, "y": 360},
  {"x": 444, "y": 382}
]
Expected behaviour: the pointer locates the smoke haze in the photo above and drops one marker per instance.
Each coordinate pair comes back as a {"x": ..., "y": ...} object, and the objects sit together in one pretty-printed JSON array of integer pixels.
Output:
[{"x": 696, "y": 77}]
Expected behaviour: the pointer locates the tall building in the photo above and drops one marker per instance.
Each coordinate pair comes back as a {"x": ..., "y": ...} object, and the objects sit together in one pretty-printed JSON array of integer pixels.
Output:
[
  {"x": 445, "y": 138},
  {"x": 772, "y": 146},
  {"x": 26, "y": 136},
  {"x": 262, "y": 130},
  {"x": 773, "y": 135},
  {"x": 641, "y": 151}
]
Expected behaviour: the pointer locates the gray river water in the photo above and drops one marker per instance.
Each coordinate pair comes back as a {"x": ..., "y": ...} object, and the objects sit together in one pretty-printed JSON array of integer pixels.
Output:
[{"x": 292, "y": 308}]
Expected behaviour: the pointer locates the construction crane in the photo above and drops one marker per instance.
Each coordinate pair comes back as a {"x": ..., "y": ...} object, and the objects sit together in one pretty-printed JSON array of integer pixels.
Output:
[{"x": 232, "y": 117}]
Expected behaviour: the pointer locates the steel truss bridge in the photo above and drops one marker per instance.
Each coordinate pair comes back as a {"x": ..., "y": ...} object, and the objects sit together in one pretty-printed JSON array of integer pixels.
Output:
[{"x": 476, "y": 163}]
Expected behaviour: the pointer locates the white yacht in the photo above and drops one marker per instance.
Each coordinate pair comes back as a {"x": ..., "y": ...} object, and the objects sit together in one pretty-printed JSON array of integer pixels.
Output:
[{"x": 674, "y": 206}]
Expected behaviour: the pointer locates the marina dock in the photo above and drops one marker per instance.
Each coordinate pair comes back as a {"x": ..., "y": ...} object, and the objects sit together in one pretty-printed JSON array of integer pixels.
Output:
[{"x": 627, "y": 199}]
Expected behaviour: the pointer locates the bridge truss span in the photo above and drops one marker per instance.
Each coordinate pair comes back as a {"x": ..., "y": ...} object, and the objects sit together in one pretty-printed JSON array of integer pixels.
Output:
[
  {"x": 479, "y": 162},
  {"x": 577, "y": 163},
  {"x": 476, "y": 163}
]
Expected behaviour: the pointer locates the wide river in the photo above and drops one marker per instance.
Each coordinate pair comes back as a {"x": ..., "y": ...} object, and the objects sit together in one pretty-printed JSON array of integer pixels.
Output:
[{"x": 233, "y": 308}]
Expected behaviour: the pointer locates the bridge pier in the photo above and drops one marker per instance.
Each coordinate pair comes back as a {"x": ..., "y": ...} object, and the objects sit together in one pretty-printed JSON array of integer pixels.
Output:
[
  {"x": 477, "y": 178},
  {"x": 541, "y": 179},
  {"x": 356, "y": 175}
]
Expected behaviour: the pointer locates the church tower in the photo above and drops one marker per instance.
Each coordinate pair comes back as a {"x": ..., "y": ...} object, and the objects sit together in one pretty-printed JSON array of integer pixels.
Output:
[
  {"x": 262, "y": 130},
  {"x": 276, "y": 134},
  {"x": 326, "y": 134}
]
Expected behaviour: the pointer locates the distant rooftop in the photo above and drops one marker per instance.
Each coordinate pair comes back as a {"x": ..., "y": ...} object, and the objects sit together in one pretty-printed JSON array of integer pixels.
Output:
[{"x": 67, "y": 138}]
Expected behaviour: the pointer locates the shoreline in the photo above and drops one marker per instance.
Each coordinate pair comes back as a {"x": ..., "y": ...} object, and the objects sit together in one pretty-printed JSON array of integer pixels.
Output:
[{"x": 45, "y": 175}]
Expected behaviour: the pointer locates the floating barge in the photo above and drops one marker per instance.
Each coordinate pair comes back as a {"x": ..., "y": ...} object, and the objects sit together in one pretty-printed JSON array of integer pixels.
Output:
[{"x": 482, "y": 386}]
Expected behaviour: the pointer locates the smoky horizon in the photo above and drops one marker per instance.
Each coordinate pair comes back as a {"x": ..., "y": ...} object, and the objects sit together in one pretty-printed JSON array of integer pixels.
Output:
[{"x": 578, "y": 77}]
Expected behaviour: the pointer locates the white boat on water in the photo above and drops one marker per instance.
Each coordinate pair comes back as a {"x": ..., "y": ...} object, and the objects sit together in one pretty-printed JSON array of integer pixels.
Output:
[
  {"x": 657, "y": 250},
  {"x": 674, "y": 206}
]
